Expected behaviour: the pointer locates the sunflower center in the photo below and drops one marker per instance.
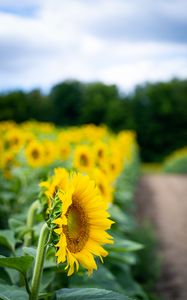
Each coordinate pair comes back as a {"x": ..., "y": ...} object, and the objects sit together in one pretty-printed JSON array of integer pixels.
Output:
[
  {"x": 100, "y": 153},
  {"x": 15, "y": 141},
  {"x": 35, "y": 154},
  {"x": 101, "y": 188},
  {"x": 83, "y": 160},
  {"x": 77, "y": 228},
  {"x": 112, "y": 166}
]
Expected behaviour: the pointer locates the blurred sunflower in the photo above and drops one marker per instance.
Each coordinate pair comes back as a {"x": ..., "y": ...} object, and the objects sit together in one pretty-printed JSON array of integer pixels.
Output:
[
  {"x": 35, "y": 154},
  {"x": 82, "y": 224},
  {"x": 14, "y": 139},
  {"x": 115, "y": 166},
  {"x": 103, "y": 184},
  {"x": 101, "y": 152},
  {"x": 7, "y": 161},
  {"x": 51, "y": 186},
  {"x": 50, "y": 151},
  {"x": 83, "y": 158},
  {"x": 64, "y": 150}
]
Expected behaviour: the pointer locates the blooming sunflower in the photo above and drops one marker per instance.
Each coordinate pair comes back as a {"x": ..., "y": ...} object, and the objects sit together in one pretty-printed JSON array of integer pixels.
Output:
[
  {"x": 14, "y": 139},
  {"x": 103, "y": 184},
  {"x": 50, "y": 151},
  {"x": 35, "y": 154},
  {"x": 101, "y": 152},
  {"x": 83, "y": 158},
  {"x": 82, "y": 224},
  {"x": 8, "y": 161},
  {"x": 64, "y": 150},
  {"x": 56, "y": 182}
]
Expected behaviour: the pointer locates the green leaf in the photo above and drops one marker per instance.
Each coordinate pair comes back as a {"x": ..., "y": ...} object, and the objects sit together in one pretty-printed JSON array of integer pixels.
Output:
[
  {"x": 29, "y": 251},
  {"x": 89, "y": 294},
  {"x": 125, "y": 278},
  {"x": 4, "y": 278},
  {"x": 103, "y": 278},
  {"x": 124, "y": 246},
  {"x": 8, "y": 292},
  {"x": 21, "y": 263},
  {"x": 117, "y": 214},
  {"x": 117, "y": 257},
  {"x": 14, "y": 276},
  {"x": 47, "y": 278},
  {"x": 18, "y": 226},
  {"x": 15, "y": 224},
  {"x": 7, "y": 239}
]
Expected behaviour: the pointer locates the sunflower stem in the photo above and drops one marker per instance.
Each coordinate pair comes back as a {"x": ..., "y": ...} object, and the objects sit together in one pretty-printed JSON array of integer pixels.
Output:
[
  {"x": 30, "y": 221},
  {"x": 38, "y": 268}
]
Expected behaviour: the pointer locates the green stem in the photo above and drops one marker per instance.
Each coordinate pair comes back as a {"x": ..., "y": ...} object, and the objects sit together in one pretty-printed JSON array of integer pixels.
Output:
[
  {"x": 30, "y": 221},
  {"x": 27, "y": 285},
  {"x": 38, "y": 268}
]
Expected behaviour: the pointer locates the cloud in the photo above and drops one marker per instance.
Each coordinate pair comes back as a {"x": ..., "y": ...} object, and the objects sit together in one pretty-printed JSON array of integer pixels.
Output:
[
  {"x": 140, "y": 20},
  {"x": 117, "y": 41}
]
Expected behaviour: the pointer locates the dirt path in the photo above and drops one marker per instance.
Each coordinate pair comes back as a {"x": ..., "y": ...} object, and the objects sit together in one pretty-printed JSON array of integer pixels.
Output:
[{"x": 163, "y": 200}]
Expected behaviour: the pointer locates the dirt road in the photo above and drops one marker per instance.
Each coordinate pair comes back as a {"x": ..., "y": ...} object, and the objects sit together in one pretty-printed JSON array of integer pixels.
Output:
[{"x": 163, "y": 200}]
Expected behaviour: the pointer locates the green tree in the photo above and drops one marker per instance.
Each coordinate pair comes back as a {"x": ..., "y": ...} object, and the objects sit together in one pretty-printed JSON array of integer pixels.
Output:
[
  {"x": 40, "y": 107},
  {"x": 13, "y": 106},
  {"x": 160, "y": 112},
  {"x": 119, "y": 115},
  {"x": 67, "y": 99},
  {"x": 97, "y": 98}
]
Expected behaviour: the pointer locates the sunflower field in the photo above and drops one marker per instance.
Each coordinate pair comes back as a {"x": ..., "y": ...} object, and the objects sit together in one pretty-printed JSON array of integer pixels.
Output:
[{"x": 66, "y": 203}]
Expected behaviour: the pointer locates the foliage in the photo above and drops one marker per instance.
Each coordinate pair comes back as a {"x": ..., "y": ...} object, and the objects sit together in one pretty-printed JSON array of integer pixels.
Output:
[
  {"x": 176, "y": 162},
  {"x": 157, "y": 112},
  {"x": 160, "y": 112},
  {"x": 147, "y": 269},
  {"x": 67, "y": 99}
]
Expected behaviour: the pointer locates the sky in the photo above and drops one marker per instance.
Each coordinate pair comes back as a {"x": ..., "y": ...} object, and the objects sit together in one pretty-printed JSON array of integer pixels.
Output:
[{"x": 123, "y": 42}]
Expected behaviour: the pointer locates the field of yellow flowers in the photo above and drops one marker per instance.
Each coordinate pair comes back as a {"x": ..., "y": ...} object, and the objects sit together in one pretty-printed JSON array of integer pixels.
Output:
[{"x": 65, "y": 212}]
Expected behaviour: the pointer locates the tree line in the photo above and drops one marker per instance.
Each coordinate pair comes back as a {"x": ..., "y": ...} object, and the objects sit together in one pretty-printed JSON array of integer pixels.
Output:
[{"x": 157, "y": 112}]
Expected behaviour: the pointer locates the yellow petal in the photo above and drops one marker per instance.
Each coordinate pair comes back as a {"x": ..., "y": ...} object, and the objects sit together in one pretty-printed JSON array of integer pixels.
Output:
[{"x": 58, "y": 230}]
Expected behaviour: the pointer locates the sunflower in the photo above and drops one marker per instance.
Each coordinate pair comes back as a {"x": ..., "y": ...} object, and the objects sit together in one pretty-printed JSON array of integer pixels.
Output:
[
  {"x": 50, "y": 151},
  {"x": 64, "y": 150},
  {"x": 14, "y": 139},
  {"x": 83, "y": 158},
  {"x": 103, "y": 184},
  {"x": 56, "y": 182},
  {"x": 115, "y": 166},
  {"x": 82, "y": 224},
  {"x": 101, "y": 152},
  {"x": 8, "y": 160},
  {"x": 35, "y": 154}
]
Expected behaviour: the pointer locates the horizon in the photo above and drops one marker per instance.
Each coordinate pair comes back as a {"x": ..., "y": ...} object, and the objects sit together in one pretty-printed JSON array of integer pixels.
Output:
[{"x": 122, "y": 91}]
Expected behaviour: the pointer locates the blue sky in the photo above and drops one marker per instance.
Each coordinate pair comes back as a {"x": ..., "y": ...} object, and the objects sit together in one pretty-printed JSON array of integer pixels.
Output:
[{"x": 124, "y": 42}]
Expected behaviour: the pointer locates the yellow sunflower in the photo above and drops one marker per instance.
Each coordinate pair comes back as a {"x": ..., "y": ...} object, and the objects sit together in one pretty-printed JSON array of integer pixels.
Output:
[
  {"x": 82, "y": 224},
  {"x": 63, "y": 150},
  {"x": 14, "y": 139},
  {"x": 56, "y": 182},
  {"x": 50, "y": 151},
  {"x": 103, "y": 184},
  {"x": 8, "y": 161},
  {"x": 35, "y": 154},
  {"x": 83, "y": 158},
  {"x": 101, "y": 152}
]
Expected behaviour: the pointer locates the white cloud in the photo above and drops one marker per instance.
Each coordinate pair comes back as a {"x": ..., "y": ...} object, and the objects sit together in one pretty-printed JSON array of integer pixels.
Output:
[{"x": 57, "y": 43}]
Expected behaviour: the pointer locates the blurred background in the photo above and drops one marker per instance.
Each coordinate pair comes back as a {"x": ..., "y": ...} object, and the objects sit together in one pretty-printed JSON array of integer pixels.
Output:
[{"x": 117, "y": 62}]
